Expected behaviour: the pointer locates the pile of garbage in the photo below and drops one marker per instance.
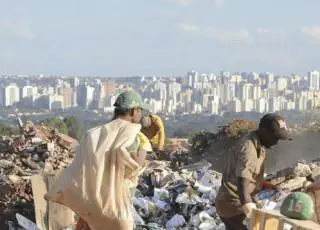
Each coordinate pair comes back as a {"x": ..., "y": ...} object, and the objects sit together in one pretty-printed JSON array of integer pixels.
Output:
[
  {"x": 167, "y": 199},
  {"x": 185, "y": 198},
  {"x": 38, "y": 149},
  {"x": 173, "y": 191},
  {"x": 279, "y": 185}
]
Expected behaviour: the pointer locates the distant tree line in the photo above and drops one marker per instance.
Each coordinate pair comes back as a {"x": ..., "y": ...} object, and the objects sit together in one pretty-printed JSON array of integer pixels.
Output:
[
  {"x": 6, "y": 130},
  {"x": 68, "y": 125}
]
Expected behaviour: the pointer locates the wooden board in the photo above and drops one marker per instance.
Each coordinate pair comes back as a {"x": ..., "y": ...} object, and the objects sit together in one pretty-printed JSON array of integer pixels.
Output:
[{"x": 273, "y": 220}]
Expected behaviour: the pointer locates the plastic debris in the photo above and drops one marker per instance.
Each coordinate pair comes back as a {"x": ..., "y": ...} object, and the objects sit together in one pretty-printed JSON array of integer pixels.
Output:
[
  {"x": 27, "y": 224},
  {"x": 183, "y": 198},
  {"x": 176, "y": 221}
]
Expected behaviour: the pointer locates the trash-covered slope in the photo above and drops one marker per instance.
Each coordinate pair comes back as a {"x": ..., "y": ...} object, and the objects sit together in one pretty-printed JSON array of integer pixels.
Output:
[{"x": 178, "y": 188}]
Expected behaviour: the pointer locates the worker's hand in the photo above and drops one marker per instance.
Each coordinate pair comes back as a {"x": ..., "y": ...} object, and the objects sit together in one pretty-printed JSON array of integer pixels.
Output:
[
  {"x": 142, "y": 157},
  {"x": 247, "y": 209}
]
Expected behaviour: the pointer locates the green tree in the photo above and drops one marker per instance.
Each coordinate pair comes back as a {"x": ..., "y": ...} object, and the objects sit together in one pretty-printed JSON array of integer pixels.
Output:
[
  {"x": 6, "y": 130},
  {"x": 57, "y": 123},
  {"x": 74, "y": 129},
  {"x": 183, "y": 132}
]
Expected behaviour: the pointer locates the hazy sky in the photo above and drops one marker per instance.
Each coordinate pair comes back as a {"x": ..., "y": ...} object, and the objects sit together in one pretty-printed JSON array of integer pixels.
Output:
[{"x": 158, "y": 37}]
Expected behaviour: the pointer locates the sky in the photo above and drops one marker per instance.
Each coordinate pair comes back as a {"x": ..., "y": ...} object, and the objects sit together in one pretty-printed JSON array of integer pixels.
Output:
[{"x": 158, "y": 37}]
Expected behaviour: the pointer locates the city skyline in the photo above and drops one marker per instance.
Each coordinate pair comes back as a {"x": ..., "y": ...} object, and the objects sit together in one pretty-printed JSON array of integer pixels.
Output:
[
  {"x": 161, "y": 38},
  {"x": 195, "y": 93}
]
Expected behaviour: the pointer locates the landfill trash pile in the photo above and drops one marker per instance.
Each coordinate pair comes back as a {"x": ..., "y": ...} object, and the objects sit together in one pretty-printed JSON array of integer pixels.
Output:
[
  {"x": 38, "y": 149},
  {"x": 279, "y": 185},
  {"x": 176, "y": 191},
  {"x": 167, "y": 199},
  {"x": 185, "y": 198}
]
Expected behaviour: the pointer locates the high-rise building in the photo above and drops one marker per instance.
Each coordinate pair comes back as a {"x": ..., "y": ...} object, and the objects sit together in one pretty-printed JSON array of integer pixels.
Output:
[
  {"x": 261, "y": 105},
  {"x": 246, "y": 91},
  {"x": 10, "y": 95},
  {"x": 28, "y": 91},
  {"x": 155, "y": 106},
  {"x": 226, "y": 92},
  {"x": 55, "y": 102},
  {"x": 256, "y": 92},
  {"x": 192, "y": 78},
  {"x": 301, "y": 103},
  {"x": 109, "y": 87},
  {"x": 289, "y": 105},
  {"x": 314, "y": 80},
  {"x": 282, "y": 83},
  {"x": 214, "y": 107},
  {"x": 247, "y": 105},
  {"x": 67, "y": 97},
  {"x": 274, "y": 104},
  {"x": 28, "y": 94},
  {"x": 269, "y": 78},
  {"x": 272, "y": 90},
  {"x": 235, "y": 106},
  {"x": 236, "y": 78},
  {"x": 173, "y": 88},
  {"x": 225, "y": 77},
  {"x": 85, "y": 95},
  {"x": 187, "y": 100},
  {"x": 74, "y": 82},
  {"x": 252, "y": 77}
]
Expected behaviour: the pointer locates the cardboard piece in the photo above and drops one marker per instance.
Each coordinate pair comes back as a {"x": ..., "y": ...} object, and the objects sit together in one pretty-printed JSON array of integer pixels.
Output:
[
  {"x": 49, "y": 215},
  {"x": 39, "y": 188},
  {"x": 60, "y": 217}
]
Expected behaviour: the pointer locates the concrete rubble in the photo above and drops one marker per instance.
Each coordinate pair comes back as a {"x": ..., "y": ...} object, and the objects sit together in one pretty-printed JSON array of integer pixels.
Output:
[{"x": 38, "y": 149}]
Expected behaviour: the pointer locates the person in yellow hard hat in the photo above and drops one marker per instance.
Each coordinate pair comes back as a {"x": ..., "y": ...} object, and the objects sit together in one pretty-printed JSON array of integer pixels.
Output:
[{"x": 153, "y": 128}]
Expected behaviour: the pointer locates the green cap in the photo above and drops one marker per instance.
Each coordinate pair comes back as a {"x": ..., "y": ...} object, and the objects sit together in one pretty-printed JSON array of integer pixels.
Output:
[{"x": 130, "y": 99}]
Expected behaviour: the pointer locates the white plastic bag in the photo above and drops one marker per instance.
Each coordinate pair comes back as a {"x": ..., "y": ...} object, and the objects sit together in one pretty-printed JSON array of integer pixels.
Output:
[{"x": 176, "y": 221}]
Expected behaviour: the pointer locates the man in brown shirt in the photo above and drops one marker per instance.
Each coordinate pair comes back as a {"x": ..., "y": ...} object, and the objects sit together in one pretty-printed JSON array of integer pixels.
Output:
[{"x": 243, "y": 174}]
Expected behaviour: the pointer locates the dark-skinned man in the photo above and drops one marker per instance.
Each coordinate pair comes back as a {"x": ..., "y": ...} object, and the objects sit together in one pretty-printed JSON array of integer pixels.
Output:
[{"x": 243, "y": 174}]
